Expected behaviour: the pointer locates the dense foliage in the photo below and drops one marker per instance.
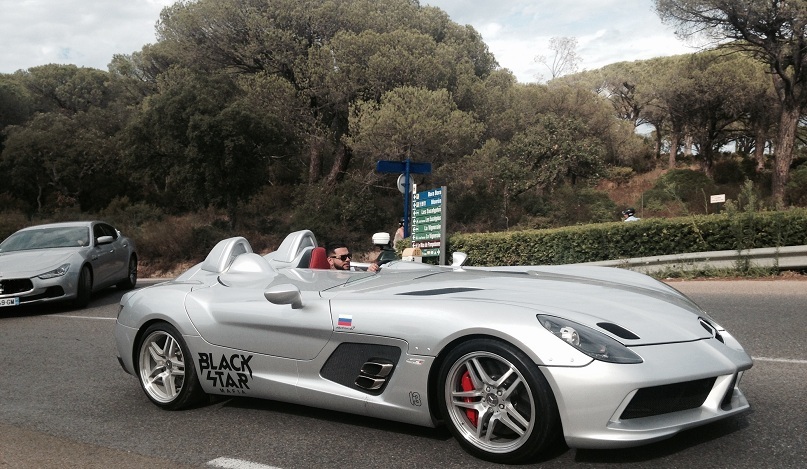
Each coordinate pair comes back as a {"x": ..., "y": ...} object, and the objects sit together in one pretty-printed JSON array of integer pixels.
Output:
[
  {"x": 657, "y": 237},
  {"x": 267, "y": 116}
]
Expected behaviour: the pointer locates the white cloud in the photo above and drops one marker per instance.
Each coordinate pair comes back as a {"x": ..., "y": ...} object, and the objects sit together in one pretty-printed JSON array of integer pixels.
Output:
[
  {"x": 83, "y": 32},
  {"x": 608, "y": 31},
  {"x": 89, "y": 32}
]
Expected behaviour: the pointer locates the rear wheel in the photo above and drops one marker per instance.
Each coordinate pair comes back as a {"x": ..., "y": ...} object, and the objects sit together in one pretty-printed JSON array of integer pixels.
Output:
[
  {"x": 131, "y": 275},
  {"x": 166, "y": 370},
  {"x": 497, "y": 403}
]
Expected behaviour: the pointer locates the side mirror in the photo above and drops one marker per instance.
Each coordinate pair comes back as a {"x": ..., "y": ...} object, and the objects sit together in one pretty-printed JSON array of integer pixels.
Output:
[
  {"x": 458, "y": 259},
  {"x": 285, "y": 294},
  {"x": 104, "y": 240}
]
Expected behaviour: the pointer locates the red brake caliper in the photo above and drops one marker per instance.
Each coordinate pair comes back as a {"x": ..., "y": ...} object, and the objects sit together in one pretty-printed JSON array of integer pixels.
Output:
[{"x": 468, "y": 385}]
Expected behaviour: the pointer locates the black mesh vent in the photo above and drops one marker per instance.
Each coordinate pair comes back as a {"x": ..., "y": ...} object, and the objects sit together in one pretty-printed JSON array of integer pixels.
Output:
[
  {"x": 668, "y": 398},
  {"x": 16, "y": 285}
]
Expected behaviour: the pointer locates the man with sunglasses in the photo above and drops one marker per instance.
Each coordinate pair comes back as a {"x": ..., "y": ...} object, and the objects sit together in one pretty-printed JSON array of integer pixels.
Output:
[{"x": 339, "y": 256}]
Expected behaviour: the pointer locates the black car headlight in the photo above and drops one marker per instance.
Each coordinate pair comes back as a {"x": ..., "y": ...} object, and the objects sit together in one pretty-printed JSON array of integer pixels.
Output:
[
  {"x": 57, "y": 272},
  {"x": 585, "y": 339}
]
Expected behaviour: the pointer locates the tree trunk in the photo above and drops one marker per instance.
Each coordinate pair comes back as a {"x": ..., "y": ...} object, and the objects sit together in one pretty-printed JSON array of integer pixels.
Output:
[
  {"x": 232, "y": 211},
  {"x": 658, "y": 142},
  {"x": 675, "y": 139},
  {"x": 339, "y": 165},
  {"x": 315, "y": 159},
  {"x": 785, "y": 141},
  {"x": 707, "y": 162}
]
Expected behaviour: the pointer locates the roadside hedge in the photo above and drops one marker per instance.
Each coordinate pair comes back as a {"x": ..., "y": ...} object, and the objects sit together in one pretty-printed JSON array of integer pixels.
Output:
[{"x": 647, "y": 237}]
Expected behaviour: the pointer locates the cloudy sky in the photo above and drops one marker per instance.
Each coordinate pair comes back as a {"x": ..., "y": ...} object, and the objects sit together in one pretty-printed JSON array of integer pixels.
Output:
[{"x": 89, "y": 32}]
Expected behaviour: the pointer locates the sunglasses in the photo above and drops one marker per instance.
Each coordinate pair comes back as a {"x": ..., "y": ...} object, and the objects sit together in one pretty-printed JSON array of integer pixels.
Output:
[{"x": 343, "y": 257}]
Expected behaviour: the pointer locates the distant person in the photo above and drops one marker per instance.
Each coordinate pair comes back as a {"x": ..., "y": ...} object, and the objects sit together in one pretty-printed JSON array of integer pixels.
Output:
[
  {"x": 339, "y": 256},
  {"x": 384, "y": 252},
  {"x": 399, "y": 233},
  {"x": 629, "y": 215}
]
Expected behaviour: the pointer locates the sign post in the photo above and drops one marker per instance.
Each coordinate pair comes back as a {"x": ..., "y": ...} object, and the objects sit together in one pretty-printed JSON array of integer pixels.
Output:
[
  {"x": 407, "y": 168},
  {"x": 718, "y": 199},
  {"x": 429, "y": 222}
]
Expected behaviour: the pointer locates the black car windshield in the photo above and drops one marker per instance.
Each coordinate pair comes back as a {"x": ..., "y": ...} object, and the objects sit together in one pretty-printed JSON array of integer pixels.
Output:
[{"x": 46, "y": 238}]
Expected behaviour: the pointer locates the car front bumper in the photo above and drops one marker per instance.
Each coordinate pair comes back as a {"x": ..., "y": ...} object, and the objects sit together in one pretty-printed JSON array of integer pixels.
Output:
[
  {"x": 36, "y": 290},
  {"x": 678, "y": 386}
]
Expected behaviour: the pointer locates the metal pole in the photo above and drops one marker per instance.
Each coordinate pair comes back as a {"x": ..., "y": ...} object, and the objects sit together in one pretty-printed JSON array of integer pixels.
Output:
[
  {"x": 443, "y": 222},
  {"x": 407, "y": 197}
]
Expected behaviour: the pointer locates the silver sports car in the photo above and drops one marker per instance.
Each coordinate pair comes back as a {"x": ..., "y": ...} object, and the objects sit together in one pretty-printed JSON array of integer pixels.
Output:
[
  {"x": 64, "y": 262},
  {"x": 511, "y": 359}
]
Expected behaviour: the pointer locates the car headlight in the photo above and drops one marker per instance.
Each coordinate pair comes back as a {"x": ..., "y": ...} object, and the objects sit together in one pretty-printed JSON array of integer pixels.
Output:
[
  {"x": 57, "y": 272},
  {"x": 585, "y": 339}
]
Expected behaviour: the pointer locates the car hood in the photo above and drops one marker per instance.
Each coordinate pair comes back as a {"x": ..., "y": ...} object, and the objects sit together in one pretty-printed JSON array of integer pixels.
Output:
[
  {"x": 594, "y": 296},
  {"x": 34, "y": 262}
]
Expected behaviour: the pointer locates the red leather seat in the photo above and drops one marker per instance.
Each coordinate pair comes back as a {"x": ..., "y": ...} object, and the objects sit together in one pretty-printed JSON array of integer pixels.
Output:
[{"x": 319, "y": 259}]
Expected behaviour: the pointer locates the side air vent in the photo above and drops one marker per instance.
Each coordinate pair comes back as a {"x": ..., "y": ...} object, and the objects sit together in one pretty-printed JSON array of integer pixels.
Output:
[
  {"x": 725, "y": 404},
  {"x": 363, "y": 367},
  {"x": 618, "y": 331},
  {"x": 373, "y": 375}
]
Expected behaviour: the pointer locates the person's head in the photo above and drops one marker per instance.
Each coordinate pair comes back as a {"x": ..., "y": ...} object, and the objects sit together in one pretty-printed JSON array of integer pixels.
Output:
[
  {"x": 339, "y": 256},
  {"x": 628, "y": 213}
]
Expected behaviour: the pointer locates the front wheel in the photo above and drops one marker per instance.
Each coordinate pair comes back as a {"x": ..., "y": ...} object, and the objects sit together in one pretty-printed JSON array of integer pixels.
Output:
[
  {"x": 84, "y": 288},
  {"x": 497, "y": 403},
  {"x": 166, "y": 370}
]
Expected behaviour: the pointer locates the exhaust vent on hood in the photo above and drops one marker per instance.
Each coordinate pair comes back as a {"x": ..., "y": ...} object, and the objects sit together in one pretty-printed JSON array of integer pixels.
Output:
[
  {"x": 440, "y": 291},
  {"x": 618, "y": 331}
]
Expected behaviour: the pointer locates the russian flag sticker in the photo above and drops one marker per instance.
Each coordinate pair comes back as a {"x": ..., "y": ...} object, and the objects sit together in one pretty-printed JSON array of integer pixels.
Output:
[{"x": 345, "y": 321}]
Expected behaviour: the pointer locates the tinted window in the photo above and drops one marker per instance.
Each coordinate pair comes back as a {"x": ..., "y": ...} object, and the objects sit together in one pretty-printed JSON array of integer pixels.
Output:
[
  {"x": 109, "y": 230},
  {"x": 45, "y": 238}
]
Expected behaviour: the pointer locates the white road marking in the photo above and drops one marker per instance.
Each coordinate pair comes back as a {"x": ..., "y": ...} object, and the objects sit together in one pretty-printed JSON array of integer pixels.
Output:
[
  {"x": 779, "y": 360},
  {"x": 230, "y": 463}
]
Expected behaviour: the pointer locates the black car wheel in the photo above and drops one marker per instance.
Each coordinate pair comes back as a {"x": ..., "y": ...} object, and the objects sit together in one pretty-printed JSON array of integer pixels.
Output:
[
  {"x": 497, "y": 403},
  {"x": 131, "y": 277},
  {"x": 166, "y": 370},
  {"x": 84, "y": 288}
]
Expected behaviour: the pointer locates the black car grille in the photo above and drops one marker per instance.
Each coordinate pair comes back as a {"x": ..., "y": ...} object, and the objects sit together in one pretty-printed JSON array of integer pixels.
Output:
[
  {"x": 51, "y": 292},
  {"x": 668, "y": 398},
  {"x": 15, "y": 285}
]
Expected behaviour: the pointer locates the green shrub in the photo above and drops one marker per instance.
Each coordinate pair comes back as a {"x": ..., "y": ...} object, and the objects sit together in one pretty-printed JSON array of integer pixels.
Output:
[
  {"x": 685, "y": 187},
  {"x": 797, "y": 186},
  {"x": 128, "y": 217},
  {"x": 11, "y": 221},
  {"x": 649, "y": 237},
  {"x": 620, "y": 174},
  {"x": 729, "y": 171},
  {"x": 572, "y": 206}
]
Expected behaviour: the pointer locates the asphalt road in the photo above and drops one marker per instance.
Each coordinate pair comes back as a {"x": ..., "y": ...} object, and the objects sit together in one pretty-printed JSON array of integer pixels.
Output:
[{"x": 65, "y": 402}]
